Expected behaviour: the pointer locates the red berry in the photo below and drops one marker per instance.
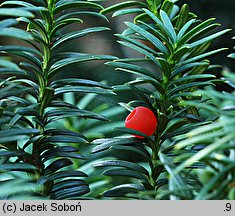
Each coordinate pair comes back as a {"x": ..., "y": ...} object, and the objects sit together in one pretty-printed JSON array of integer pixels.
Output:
[{"x": 142, "y": 119}]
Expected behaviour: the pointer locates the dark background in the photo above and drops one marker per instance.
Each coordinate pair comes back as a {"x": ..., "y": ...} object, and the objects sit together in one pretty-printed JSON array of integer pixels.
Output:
[{"x": 223, "y": 11}]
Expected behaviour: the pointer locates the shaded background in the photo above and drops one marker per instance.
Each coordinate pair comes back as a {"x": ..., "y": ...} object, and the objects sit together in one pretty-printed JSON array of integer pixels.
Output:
[{"x": 223, "y": 11}]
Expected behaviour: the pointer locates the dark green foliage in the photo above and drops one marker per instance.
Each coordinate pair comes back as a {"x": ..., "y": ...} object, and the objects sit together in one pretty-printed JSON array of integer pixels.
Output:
[
  {"x": 56, "y": 137},
  {"x": 31, "y": 97},
  {"x": 175, "y": 44}
]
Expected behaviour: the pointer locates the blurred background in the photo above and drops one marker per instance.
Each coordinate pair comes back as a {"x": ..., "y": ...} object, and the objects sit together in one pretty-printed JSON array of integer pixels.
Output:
[{"x": 223, "y": 11}]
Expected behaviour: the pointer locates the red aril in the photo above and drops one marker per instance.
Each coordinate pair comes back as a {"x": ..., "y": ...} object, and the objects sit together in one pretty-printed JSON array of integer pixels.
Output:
[{"x": 142, "y": 119}]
